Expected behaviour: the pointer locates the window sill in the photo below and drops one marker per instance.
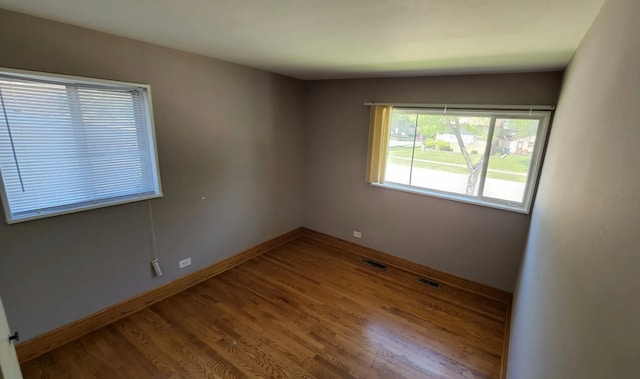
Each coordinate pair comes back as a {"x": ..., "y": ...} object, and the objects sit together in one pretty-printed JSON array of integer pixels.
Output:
[
  {"x": 518, "y": 208},
  {"x": 12, "y": 219}
]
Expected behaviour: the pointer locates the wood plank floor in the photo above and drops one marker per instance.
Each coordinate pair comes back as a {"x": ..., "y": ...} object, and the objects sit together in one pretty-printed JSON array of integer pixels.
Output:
[{"x": 304, "y": 310}]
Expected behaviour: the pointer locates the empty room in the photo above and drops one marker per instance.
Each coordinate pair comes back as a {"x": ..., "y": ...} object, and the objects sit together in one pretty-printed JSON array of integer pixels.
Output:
[{"x": 320, "y": 189}]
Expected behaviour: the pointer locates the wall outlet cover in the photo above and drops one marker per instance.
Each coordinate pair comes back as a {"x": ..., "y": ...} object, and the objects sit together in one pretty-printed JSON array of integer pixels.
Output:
[{"x": 185, "y": 262}]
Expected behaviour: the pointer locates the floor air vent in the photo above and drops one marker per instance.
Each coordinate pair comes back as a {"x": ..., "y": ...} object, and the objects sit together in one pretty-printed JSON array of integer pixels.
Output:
[
  {"x": 373, "y": 263},
  {"x": 428, "y": 282}
]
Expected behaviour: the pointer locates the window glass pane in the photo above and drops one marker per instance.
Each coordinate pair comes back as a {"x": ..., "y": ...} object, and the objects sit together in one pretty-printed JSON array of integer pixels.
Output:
[
  {"x": 448, "y": 152},
  {"x": 451, "y": 154},
  {"x": 402, "y": 137},
  {"x": 512, "y": 147},
  {"x": 484, "y": 156}
]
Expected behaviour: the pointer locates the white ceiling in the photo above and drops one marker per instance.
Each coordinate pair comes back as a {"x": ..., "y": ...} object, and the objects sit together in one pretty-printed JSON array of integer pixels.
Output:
[{"x": 319, "y": 39}]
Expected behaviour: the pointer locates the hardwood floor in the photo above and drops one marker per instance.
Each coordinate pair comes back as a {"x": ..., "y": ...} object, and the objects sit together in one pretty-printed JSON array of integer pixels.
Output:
[{"x": 304, "y": 310}]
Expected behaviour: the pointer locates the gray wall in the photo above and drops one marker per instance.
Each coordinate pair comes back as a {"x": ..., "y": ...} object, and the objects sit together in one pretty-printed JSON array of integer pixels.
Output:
[
  {"x": 479, "y": 243},
  {"x": 225, "y": 132},
  {"x": 265, "y": 151},
  {"x": 577, "y": 308}
]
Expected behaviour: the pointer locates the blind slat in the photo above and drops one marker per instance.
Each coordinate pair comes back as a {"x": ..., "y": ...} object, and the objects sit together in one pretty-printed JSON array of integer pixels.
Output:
[{"x": 70, "y": 146}]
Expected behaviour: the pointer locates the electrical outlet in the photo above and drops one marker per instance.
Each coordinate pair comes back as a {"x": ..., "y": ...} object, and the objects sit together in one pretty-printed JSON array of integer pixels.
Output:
[
  {"x": 357, "y": 234},
  {"x": 185, "y": 262}
]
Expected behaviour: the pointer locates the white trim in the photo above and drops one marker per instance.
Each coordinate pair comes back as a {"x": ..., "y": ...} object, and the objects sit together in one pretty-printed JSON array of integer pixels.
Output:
[
  {"x": 4, "y": 198},
  {"x": 82, "y": 208},
  {"x": 544, "y": 117},
  {"x": 536, "y": 161},
  {"x": 70, "y": 79},
  {"x": 152, "y": 136},
  {"x": 145, "y": 90},
  {"x": 450, "y": 196}
]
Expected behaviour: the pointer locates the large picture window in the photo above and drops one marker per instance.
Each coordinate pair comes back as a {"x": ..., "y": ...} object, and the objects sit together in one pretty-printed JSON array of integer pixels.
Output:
[
  {"x": 69, "y": 144},
  {"x": 483, "y": 156}
]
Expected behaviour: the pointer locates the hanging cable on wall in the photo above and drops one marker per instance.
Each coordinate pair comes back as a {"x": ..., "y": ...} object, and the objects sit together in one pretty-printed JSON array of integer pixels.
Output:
[
  {"x": 155, "y": 264},
  {"x": 13, "y": 147}
]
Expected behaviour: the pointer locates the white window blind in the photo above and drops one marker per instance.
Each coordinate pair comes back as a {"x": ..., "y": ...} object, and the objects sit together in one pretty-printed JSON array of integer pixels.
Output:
[{"x": 68, "y": 145}]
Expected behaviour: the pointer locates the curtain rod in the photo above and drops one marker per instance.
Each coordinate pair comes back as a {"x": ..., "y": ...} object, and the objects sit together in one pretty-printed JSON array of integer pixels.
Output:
[{"x": 469, "y": 106}]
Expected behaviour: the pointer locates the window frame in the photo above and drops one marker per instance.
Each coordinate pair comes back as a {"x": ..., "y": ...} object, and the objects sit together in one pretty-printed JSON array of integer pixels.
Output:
[
  {"x": 62, "y": 79},
  {"x": 543, "y": 114}
]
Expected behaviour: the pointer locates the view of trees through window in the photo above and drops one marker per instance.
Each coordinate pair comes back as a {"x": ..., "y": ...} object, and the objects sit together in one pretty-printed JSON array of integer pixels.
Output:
[{"x": 450, "y": 151}]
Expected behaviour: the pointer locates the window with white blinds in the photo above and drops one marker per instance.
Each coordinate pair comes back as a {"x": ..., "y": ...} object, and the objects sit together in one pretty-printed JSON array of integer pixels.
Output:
[{"x": 69, "y": 144}]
